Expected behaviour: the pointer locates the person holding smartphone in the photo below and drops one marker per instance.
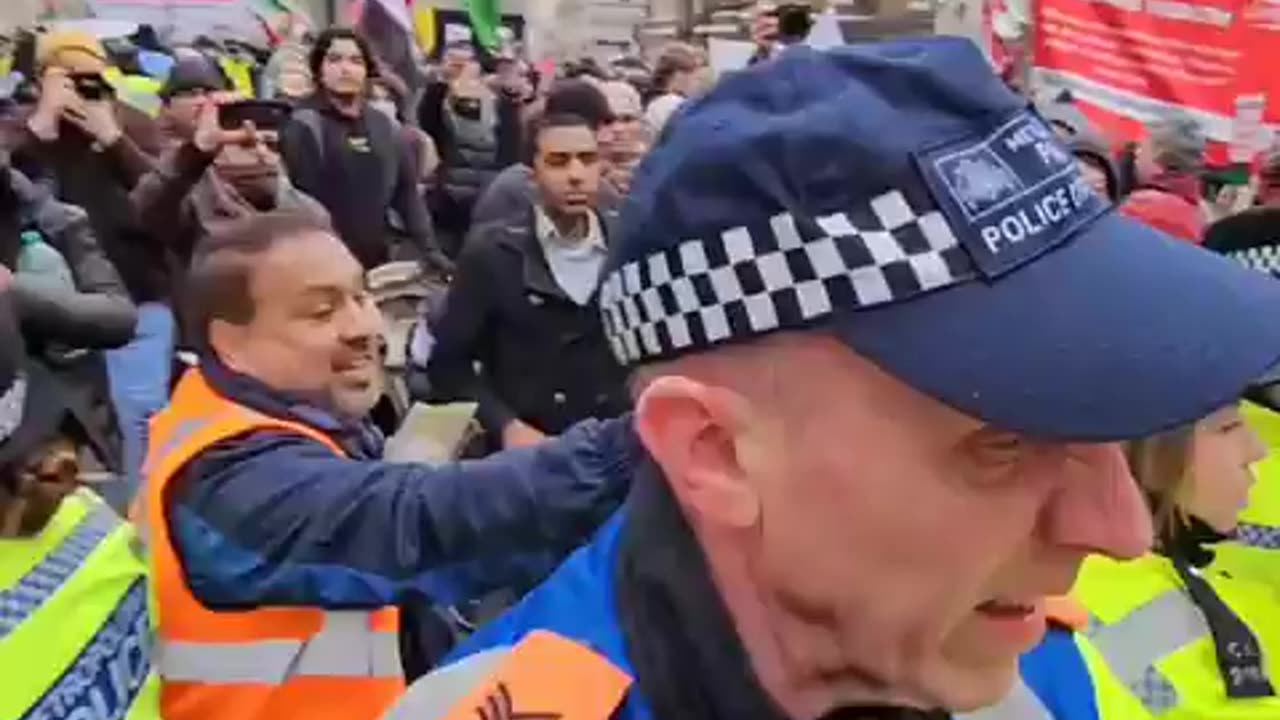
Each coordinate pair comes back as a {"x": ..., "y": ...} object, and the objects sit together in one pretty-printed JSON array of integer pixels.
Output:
[
  {"x": 92, "y": 149},
  {"x": 229, "y": 169}
]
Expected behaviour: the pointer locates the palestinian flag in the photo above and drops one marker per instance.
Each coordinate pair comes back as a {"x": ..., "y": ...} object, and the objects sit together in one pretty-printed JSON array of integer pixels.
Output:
[
  {"x": 389, "y": 26},
  {"x": 486, "y": 18}
]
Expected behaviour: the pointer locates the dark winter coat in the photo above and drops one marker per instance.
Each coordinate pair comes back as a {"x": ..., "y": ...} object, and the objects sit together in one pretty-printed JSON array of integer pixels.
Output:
[{"x": 544, "y": 358}]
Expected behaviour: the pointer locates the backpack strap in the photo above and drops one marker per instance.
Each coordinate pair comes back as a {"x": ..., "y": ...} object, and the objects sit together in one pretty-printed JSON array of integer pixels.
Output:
[
  {"x": 311, "y": 120},
  {"x": 388, "y": 143}
]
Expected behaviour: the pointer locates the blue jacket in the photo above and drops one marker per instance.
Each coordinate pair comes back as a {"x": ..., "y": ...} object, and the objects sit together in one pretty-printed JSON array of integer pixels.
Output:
[
  {"x": 577, "y": 602},
  {"x": 273, "y": 519}
]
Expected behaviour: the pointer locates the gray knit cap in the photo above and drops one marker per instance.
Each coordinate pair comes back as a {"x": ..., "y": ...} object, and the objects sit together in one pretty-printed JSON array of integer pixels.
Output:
[{"x": 1178, "y": 143}]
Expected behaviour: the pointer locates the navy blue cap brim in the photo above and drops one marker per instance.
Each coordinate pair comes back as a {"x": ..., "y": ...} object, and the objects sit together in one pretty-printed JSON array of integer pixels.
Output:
[{"x": 1121, "y": 333}]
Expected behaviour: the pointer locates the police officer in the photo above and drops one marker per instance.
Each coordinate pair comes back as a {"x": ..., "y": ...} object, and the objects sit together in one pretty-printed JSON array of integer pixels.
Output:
[
  {"x": 1254, "y": 550},
  {"x": 75, "y": 635},
  {"x": 885, "y": 348},
  {"x": 1168, "y": 634}
]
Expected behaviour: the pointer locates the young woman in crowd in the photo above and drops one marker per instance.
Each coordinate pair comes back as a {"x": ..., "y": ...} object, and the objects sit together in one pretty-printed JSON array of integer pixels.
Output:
[{"x": 1166, "y": 635}]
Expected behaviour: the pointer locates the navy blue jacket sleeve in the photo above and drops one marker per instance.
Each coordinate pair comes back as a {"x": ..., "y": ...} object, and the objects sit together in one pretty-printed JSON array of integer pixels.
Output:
[{"x": 274, "y": 519}]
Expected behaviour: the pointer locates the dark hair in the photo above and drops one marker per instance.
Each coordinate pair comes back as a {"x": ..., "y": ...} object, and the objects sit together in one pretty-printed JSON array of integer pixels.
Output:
[
  {"x": 218, "y": 282},
  {"x": 326, "y": 40},
  {"x": 541, "y": 123},
  {"x": 580, "y": 98}
]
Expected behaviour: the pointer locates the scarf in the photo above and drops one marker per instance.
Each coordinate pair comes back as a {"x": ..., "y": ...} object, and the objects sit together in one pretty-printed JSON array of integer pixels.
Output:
[
  {"x": 1182, "y": 185},
  {"x": 215, "y": 201},
  {"x": 688, "y": 660}
]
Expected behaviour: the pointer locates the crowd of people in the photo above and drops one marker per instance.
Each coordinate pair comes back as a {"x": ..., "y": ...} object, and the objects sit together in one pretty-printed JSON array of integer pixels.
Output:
[{"x": 852, "y": 384}]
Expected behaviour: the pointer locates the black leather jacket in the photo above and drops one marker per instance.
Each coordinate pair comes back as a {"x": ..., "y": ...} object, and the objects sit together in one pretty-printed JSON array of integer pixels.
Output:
[{"x": 98, "y": 312}]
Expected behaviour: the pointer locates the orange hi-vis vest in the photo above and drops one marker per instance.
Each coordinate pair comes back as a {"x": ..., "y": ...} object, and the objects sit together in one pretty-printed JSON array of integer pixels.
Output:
[{"x": 267, "y": 664}]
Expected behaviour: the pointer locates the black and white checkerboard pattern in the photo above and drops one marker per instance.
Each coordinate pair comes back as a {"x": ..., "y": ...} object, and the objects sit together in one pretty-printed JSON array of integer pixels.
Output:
[
  {"x": 1264, "y": 258},
  {"x": 792, "y": 273}
]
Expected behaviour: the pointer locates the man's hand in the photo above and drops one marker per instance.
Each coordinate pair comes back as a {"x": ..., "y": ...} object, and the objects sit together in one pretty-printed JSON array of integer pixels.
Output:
[
  {"x": 764, "y": 28},
  {"x": 210, "y": 137},
  {"x": 57, "y": 94},
  {"x": 6, "y": 279},
  {"x": 98, "y": 119},
  {"x": 518, "y": 434}
]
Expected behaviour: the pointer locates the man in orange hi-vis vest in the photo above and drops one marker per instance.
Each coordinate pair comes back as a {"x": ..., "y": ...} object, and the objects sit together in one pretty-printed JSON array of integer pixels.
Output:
[{"x": 279, "y": 542}]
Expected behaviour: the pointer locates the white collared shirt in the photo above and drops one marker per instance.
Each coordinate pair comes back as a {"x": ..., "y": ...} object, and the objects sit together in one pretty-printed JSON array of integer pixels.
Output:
[{"x": 575, "y": 264}]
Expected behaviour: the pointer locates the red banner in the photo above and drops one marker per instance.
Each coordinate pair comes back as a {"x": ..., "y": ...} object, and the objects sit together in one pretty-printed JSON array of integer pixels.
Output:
[{"x": 1128, "y": 61}]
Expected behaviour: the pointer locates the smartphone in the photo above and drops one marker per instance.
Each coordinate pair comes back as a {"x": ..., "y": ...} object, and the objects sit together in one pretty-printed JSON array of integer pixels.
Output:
[
  {"x": 264, "y": 114},
  {"x": 91, "y": 86}
]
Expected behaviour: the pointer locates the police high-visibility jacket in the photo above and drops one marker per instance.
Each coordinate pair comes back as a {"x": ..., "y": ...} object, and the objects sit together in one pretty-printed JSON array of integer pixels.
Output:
[
  {"x": 267, "y": 664},
  {"x": 75, "y": 635},
  {"x": 1149, "y": 648},
  {"x": 1254, "y": 554},
  {"x": 577, "y": 602}
]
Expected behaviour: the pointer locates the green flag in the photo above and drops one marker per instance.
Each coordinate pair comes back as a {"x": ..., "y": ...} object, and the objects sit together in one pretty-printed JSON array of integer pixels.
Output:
[{"x": 486, "y": 18}]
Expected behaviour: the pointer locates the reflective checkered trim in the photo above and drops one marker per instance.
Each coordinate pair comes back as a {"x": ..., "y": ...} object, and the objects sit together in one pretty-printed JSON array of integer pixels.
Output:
[
  {"x": 19, "y": 602},
  {"x": 788, "y": 274},
  {"x": 1258, "y": 536},
  {"x": 1264, "y": 258},
  {"x": 1154, "y": 690}
]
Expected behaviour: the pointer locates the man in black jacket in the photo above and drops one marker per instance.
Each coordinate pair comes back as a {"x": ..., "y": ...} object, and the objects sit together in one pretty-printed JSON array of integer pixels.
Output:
[
  {"x": 352, "y": 159},
  {"x": 524, "y": 304}
]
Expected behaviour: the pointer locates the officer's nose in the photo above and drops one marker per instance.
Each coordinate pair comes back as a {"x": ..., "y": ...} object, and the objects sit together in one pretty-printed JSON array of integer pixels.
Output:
[{"x": 1096, "y": 506}]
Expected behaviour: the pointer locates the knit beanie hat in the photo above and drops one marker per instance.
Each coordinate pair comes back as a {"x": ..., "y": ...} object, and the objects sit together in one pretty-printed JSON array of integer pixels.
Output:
[
  {"x": 53, "y": 46},
  {"x": 1178, "y": 143}
]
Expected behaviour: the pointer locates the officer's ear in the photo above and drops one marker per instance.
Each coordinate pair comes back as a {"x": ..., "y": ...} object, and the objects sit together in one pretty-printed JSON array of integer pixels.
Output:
[{"x": 693, "y": 431}]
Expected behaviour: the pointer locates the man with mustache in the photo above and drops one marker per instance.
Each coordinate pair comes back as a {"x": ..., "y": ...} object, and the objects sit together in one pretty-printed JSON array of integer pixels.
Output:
[{"x": 280, "y": 542}]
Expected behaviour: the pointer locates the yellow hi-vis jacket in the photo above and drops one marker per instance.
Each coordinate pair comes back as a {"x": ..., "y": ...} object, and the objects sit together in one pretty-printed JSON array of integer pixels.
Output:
[
  {"x": 75, "y": 634},
  {"x": 1149, "y": 649},
  {"x": 1255, "y": 552}
]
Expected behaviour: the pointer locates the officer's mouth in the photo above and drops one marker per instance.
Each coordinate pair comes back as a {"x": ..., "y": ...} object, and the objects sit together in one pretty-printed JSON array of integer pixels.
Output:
[{"x": 1015, "y": 622}]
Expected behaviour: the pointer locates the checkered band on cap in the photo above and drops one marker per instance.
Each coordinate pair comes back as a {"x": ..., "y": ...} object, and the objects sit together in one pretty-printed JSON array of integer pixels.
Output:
[
  {"x": 1264, "y": 258},
  {"x": 790, "y": 274}
]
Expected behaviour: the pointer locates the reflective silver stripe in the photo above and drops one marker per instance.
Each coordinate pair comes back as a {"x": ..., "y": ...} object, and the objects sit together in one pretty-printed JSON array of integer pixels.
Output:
[
  {"x": 1021, "y": 703},
  {"x": 1134, "y": 644},
  {"x": 1265, "y": 537},
  {"x": 19, "y": 602},
  {"x": 180, "y": 434},
  {"x": 436, "y": 694},
  {"x": 183, "y": 432},
  {"x": 106, "y": 678},
  {"x": 345, "y": 647}
]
